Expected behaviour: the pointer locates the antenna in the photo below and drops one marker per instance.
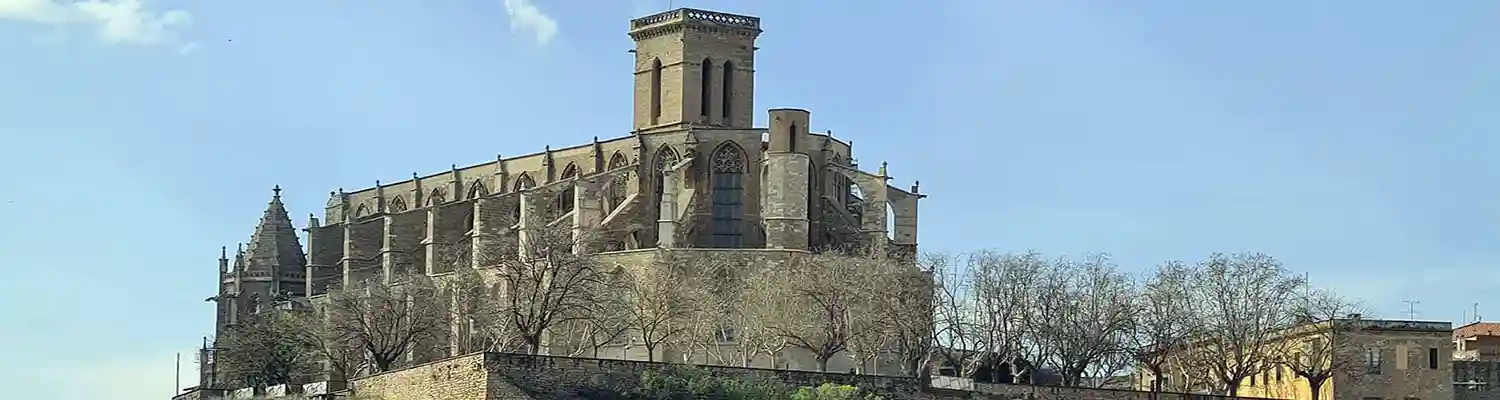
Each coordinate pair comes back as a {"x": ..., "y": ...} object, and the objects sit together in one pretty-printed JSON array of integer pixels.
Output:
[
  {"x": 1411, "y": 309},
  {"x": 1477, "y": 318}
]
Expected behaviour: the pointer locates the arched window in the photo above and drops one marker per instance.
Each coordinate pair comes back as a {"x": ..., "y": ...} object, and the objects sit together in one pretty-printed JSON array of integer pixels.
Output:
[
  {"x": 619, "y": 184},
  {"x": 791, "y": 140},
  {"x": 436, "y": 197},
  {"x": 728, "y": 228},
  {"x": 524, "y": 182},
  {"x": 665, "y": 158},
  {"x": 361, "y": 212},
  {"x": 706, "y": 87},
  {"x": 477, "y": 189},
  {"x": 396, "y": 205},
  {"x": 836, "y": 186},
  {"x": 728, "y": 80},
  {"x": 656, "y": 90},
  {"x": 564, "y": 201}
]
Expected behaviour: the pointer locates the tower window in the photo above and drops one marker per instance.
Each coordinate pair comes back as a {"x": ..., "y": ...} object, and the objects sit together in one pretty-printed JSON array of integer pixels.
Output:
[
  {"x": 728, "y": 80},
  {"x": 791, "y": 140},
  {"x": 705, "y": 85},
  {"x": 728, "y": 197},
  {"x": 655, "y": 90}
]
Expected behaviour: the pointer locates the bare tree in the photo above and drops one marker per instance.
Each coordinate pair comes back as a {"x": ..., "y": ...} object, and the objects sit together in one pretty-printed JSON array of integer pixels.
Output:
[
  {"x": 264, "y": 349},
  {"x": 721, "y": 325},
  {"x": 1241, "y": 303},
  {"x": 549, "y": 281},
  {"x": 1329, "y": 321},
  {"x": 819, "y": 300},
  {"x": 1086, "y": 317},
  {"x": 903, "y": 309},
  {"x": 1010, "y": 302},
  {"x": 755, "y": 315},
  {"x": 609, "y": 318},
  {"x": 1163, "y": 320},
  {"x": 341, "y": 355},
  {"x": 874, "y": 319},
  {"x": 387, "y": 320},
  {"x": 663, "y": 298},
  {"x": 954, "y": 329},
  {"x": 476, "y": 308}
]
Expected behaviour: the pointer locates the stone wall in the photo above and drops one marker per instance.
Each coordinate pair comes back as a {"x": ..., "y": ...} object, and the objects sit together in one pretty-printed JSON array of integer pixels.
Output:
[
  {"x": 943, "y": 388},
  {"x": 484, "y": 376},
  {"x": 1476, "y": 380},
  {"x": 458, "y": 378},
  {"x": 546, "y": 377}
]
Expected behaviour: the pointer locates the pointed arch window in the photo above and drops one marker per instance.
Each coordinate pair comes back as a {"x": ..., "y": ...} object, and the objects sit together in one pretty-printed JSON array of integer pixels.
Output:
[
  {"x": 836, "y": 186},
  {"x": 362, "y": 211},
  {"x": 728, "y": 227},
  {"x": 656, "y": 90},
  {"x": 436, "y": 197},
  {"x": 477, "y": 190},
  {"x": 706, "y": 88},
  {"x": 665, "y": 158},
  {"x": 397, "y": 205},
  {"x": 564, "y": 201},
  {"x": 619, "y": 184},
  {"x": 728, "y": 81},
  {"x": 524, "y": 182}
]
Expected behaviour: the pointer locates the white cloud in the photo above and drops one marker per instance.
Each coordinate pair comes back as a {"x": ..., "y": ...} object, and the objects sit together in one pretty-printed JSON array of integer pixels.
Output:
[
  {"x": 116, "y": 21},
  {"x": 524, "y": 15}
]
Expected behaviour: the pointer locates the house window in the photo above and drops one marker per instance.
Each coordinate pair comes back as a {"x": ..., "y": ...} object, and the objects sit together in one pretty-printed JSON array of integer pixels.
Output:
[
  {"x": 1432, "y": 358},
  {"x": 1372, "y": 361},
  {"x": 1278, "y": 373}
]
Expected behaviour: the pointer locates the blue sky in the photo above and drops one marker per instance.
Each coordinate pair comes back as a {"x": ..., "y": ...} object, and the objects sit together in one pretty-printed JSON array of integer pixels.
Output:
[{"x": 1347, "y": 138}]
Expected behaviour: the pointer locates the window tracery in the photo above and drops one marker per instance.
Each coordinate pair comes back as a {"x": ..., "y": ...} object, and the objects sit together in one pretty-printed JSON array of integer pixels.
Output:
[{"x": 728, "y": 190}]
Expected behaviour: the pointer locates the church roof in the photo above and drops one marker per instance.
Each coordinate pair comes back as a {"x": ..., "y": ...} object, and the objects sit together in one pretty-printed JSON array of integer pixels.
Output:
[{"x": 274, "y": 245}]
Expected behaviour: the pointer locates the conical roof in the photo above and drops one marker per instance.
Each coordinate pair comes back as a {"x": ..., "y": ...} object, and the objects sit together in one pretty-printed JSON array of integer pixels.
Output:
[{"x": 274, "y": 247}]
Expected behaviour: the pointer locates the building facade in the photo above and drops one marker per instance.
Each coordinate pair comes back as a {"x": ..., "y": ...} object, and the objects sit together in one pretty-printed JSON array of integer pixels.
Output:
[
  {"x": 694, "y": 175},
  {"x": 1366, "y": 359}
]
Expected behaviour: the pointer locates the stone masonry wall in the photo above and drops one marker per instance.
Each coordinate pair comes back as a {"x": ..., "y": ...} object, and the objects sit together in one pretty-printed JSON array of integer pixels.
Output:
[
  {"x": 1476, "y": 380},
  {"x": 545, "y": 377},
  {"x": 494, "y": 376},
  {"x": 458, "y": 378}
]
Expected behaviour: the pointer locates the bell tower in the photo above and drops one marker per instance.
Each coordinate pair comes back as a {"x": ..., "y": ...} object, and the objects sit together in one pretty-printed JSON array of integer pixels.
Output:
[{"x": 694, "y": 68}]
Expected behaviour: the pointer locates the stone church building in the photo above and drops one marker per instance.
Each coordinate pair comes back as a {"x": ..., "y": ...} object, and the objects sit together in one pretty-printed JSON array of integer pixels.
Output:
[{"x": 695, "y": 174}]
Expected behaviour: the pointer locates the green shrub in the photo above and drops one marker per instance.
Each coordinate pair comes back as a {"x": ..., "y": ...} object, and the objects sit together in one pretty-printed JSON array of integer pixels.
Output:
[
  {"x": 830, "y": 391},
  {"x": 683, "y": 382}
]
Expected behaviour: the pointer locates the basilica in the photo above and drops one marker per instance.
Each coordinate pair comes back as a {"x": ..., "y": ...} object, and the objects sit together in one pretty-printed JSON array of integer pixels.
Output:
[{"x": 695, "y": 174}]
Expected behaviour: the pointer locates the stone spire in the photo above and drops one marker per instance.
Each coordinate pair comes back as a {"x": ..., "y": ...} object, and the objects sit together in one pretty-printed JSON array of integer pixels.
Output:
[{"x": 274, "y": 249}]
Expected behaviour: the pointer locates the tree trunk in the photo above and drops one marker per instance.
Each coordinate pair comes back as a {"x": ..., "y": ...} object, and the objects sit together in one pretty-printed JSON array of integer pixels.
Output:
[
  {"x": 1157, "y": 373},
  {"x": 1317, "y": 387},
  {"x": 823, "y": 363},
  {"x": 533, "y": 344}
]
